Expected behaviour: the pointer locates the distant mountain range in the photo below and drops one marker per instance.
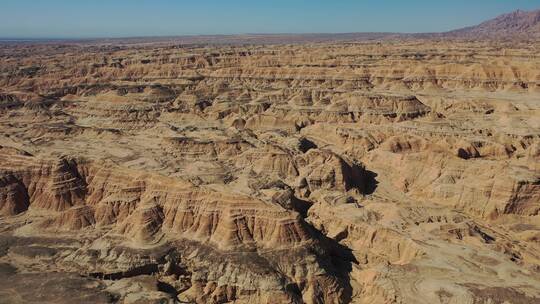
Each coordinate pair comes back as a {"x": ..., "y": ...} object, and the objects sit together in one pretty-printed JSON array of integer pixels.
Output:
[{"x": 517, "y": 24}]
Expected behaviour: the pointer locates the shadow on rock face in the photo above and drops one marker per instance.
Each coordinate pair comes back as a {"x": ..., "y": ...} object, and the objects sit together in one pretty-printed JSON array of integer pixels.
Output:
[
  {"x": 306, "y": 145},
  {"x": 360, "y": 178},
  {"x": 369, "y": 182},
  {"x": 167, "y": 288},
  {"x": 301, "y": 206},
  {"x": 337, "y": 262}
]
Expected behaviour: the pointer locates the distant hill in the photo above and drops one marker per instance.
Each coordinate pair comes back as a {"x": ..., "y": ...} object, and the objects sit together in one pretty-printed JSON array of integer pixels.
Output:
[{"x": 517, "y": 24}]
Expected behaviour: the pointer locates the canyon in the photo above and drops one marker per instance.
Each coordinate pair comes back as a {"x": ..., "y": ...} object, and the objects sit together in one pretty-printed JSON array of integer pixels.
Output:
[{"x": 402, "y": 170}]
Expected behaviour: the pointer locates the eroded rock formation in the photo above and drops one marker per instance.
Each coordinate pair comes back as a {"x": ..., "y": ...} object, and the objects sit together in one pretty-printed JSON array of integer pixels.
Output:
[{"x": 394, "y": 172}]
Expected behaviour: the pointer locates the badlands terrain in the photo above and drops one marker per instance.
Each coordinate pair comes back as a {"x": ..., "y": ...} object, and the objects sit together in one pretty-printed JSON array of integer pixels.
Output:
[{"x": 397, "y": 171}]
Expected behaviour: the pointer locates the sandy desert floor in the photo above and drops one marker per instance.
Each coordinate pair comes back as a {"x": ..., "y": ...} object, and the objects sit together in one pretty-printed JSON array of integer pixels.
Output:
[{"x": 372, "y": 172}]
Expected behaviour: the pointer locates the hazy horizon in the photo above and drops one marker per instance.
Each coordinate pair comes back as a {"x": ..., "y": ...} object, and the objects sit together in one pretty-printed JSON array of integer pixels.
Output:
[{"x": 62, "y": 19}]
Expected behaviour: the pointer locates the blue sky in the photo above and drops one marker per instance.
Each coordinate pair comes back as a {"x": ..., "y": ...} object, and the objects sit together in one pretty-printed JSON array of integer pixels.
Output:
[{"x": 124, "y": 18}]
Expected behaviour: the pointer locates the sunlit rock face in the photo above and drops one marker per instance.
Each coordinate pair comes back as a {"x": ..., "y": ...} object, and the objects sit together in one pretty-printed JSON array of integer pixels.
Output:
[{"x": 372, "y": 172}]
